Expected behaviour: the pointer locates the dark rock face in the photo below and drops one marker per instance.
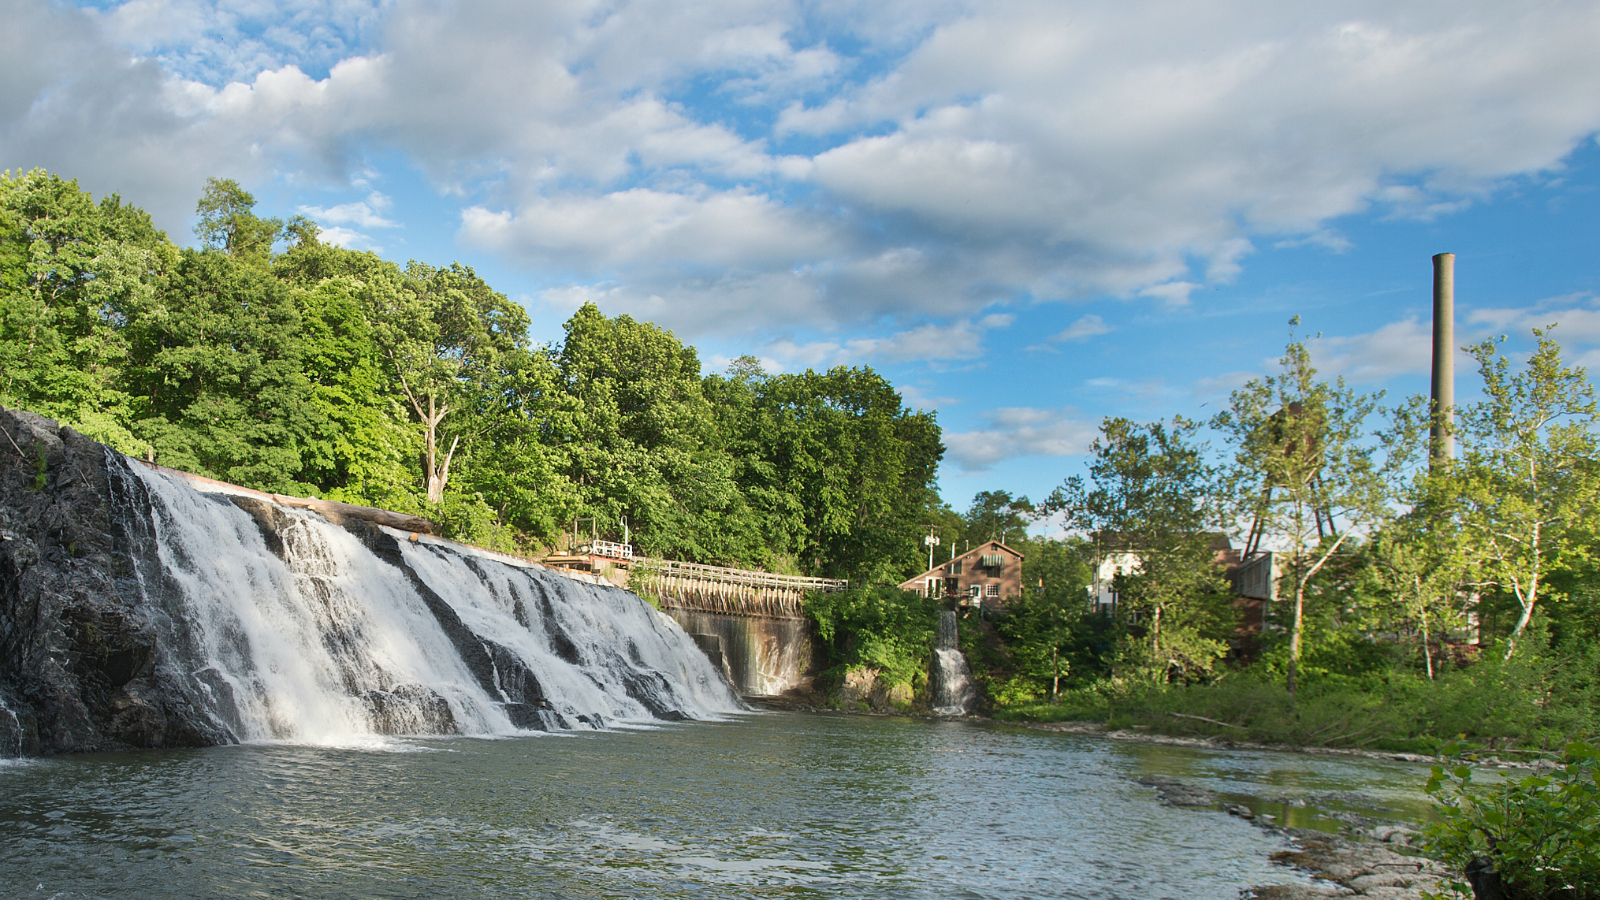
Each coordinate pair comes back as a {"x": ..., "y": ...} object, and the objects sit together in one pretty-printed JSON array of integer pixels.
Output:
[{"x": 80, "y": 667}]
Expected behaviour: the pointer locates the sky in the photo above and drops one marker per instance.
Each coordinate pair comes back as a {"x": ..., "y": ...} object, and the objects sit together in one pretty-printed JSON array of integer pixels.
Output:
[{"x": 1028, "y": 216}]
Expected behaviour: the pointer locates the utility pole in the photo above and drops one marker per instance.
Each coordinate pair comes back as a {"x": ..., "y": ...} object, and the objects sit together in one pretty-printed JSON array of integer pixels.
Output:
[
  {"x": 1441, "y": 440},
  {"x": 932, "y": 541}
]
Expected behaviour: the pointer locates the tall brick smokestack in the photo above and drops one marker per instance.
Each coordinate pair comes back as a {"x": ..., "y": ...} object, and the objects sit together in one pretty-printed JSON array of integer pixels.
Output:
[{"x": 1441, "y": 442}]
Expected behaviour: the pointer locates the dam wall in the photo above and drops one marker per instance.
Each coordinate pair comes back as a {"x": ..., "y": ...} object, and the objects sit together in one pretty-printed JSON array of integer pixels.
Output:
[{"x": 751, "y": 624}]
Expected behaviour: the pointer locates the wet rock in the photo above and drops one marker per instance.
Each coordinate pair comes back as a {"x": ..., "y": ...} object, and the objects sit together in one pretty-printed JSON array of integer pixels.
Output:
[
  {"x": 1354, "y": 868},
  {"x": 1292, "y": 892},
  {"x": 1175, "y": 793}
]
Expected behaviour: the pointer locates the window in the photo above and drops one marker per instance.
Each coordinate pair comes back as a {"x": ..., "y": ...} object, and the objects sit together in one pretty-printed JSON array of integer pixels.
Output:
[
  {"x": 933, "y": 587},
  {"x": 955, "y": 567},
  {"x": 975, "y": 591},
  {"x": 992, "y": 590}
]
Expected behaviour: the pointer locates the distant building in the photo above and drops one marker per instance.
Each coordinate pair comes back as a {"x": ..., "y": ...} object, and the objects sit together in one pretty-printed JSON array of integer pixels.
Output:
[
  {"x": 988, "y": 575},
  {"x": 1254, "y": 579}
]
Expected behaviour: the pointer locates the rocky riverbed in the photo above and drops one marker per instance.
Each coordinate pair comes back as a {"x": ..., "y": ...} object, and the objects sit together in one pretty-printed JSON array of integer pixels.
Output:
[{"x": 1367, "y": 859}]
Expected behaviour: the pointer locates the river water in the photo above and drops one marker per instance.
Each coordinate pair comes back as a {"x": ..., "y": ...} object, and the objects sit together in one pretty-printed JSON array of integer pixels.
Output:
[{"x": 761, "y": 805}]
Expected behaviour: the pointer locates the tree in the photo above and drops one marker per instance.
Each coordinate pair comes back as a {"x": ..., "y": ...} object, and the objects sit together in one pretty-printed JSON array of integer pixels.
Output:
[
  {"x": 1146, "y": 494},
  {"x": 216, "y": 370},
  {"x": 997, "y": 516},
  {"x": 1527, "y": 481},
  {"x": 72, "y": 273},
  {"x": 643, "y": 441},
  {"x": 1304, "y": 470},
  {"x": 450, "y": 340},
  {"x": 228, "y": 224}
]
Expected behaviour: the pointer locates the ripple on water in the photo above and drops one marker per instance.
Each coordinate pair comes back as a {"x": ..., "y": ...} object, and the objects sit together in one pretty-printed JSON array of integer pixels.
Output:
[{"x": 775, "y": 804}]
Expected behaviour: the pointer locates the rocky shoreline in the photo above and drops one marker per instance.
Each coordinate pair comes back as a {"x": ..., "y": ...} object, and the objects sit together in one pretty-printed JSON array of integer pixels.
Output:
[{"x": 1368, "y": 860}]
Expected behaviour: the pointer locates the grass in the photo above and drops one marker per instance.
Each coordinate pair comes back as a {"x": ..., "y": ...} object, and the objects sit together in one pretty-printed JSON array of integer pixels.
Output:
[{"x": 1523, "y": 705}]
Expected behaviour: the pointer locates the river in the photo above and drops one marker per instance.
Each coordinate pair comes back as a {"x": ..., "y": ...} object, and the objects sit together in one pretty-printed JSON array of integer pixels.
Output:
[{"x": 770, "y": 804}]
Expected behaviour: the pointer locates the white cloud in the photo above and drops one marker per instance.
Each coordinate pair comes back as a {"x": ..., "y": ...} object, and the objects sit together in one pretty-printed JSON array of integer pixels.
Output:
[
  {"x": 348, "y": 238},
  {"x": 366, "y": 213},
  {"x": 1084, "y": 328},
  {"x": 932, "y": 343},
  {"x": 1013, "y": 148},
  {"x": 1013, "y": 432},
  {"x": 1398, "y": 348}
]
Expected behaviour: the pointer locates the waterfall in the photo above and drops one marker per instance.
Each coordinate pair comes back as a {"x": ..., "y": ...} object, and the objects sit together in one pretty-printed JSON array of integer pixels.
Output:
[
  {"x": 950, "y": 679},
  {"x": 281, "y": 626},
  {"x": 11, "y": 748}
]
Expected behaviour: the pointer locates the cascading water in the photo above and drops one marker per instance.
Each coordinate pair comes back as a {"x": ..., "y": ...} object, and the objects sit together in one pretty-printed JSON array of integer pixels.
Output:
[
  {"x": 950, "y": 679},
  {"x": 10, "y": 743},
  {"x": 283, "y": 626}
]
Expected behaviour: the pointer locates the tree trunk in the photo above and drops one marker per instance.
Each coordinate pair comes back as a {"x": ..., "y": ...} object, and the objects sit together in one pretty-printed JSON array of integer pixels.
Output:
[
  {"x": 1427, "y": 652},
  {"x": 1294, "y": 635},
  {"x": 1055, "y": 678},
  {"x": 1527, "y": 598},
  {"x": 1155, "y": 644}
]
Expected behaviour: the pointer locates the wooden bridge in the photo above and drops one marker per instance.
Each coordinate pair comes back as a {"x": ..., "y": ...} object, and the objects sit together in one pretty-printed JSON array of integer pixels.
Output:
[{"x": 730, "y": 592}]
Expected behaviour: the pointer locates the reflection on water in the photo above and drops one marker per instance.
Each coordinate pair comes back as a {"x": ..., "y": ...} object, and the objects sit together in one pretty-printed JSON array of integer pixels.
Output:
[{"x": 767, "y": 805}]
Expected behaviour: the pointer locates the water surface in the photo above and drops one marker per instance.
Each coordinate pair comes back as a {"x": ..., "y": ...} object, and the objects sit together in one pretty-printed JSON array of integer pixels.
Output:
[{"x": 768, "y": 805}]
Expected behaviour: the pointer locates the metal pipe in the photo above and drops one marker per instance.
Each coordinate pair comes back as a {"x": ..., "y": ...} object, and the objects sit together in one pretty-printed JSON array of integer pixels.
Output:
[{"x": 1441, "y": 440}]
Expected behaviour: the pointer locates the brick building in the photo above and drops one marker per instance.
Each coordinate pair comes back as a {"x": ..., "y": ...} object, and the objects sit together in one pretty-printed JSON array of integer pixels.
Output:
[{"x": 990, "y": 574}]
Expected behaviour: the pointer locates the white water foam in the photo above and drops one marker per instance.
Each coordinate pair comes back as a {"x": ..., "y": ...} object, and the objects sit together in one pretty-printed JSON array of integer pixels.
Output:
[
  {"x": 586, "y": 644},
  {"x": 332, "y": 645}
]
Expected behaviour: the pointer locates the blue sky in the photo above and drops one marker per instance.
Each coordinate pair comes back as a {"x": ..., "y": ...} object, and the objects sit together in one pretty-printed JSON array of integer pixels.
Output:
[{"x": 1028, "y": 215}]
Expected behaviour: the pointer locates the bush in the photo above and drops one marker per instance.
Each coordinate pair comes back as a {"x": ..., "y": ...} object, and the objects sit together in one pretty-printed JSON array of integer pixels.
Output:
[
  {"x": 1539, "y": 834},
  {"x": 881, "y": 628}
]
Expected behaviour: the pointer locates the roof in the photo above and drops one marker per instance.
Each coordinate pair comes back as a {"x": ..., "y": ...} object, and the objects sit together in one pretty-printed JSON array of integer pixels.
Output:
[{"x": 978, "y": 551}]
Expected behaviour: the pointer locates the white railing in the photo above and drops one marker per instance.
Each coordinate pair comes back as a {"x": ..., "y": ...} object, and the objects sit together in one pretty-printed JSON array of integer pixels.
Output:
[{"x": 611, "y": 550}]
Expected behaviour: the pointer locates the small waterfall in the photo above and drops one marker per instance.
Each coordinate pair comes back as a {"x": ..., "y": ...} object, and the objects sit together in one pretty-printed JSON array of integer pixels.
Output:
[
  {"x": 950, "y": 678},
  {"x": 284, "y": 627},
  {"x": 9, "y": 748}
]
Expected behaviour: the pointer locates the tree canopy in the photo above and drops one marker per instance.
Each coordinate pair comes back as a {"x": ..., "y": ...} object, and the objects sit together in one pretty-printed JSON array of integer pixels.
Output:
[{"x": 274, "y": 360}]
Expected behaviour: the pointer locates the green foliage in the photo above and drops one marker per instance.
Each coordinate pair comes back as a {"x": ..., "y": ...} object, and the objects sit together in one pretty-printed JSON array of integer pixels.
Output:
[
  {"x": 1541, "y": 832},
  {"x": 329, "y": 371},
  {"x": 1306, "y": 470},
  {"x": 1145, "y": 498},
  {"x": 882, "y": 628},
  {"x": 228, "y": 224},
  {"x": 1526, "y": 487}
]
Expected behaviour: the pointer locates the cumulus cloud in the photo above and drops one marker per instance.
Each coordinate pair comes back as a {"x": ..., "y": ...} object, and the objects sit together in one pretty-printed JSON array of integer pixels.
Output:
[
  {"x": 1011, "y": 432},
  {"x": 366, "y": 213},
  {"x": 1084, "y": 328},
  {"x": 1398, "y": 348},
  {"x": 932, "y": 343},
  {"x": 1009, "y": 149}
]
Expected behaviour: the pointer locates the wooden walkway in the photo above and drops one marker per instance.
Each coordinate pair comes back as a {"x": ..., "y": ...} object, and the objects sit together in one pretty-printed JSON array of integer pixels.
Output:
[{"x": 729, "y": 592}]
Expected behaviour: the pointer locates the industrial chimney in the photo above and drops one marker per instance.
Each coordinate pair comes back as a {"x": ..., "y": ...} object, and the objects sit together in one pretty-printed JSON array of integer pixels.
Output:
[{"x": 1441, "y": 442}]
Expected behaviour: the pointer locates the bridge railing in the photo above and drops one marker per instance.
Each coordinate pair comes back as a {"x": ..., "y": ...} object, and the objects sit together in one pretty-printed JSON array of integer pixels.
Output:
[{"x": 672, "y": 570}]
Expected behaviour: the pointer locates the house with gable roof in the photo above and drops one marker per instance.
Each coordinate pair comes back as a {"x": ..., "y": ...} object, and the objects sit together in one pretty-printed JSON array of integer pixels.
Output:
[{"x": 988, "y": 575}]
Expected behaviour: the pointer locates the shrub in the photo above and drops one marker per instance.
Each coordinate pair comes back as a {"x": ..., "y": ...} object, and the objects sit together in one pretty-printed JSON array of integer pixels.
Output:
[{"x": 1539, "y": 834}]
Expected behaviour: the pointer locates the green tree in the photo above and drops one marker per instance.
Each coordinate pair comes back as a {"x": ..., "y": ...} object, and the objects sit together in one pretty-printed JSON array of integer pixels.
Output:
[
  {"x": 1147, "y": 494},
  {"x": 644, "y": 443},
  {"x": 227, "y": 223},
  {"x": 71, "y": 273},
  {"x": 216, "y": 371},
  {"x": 1527, "y": 482},
  {"x": 847, "y": 472},
  {"x": 450, "y": 341},
  {"x": 1304, "y": 470},
  {"x": 998, "y": 516}
]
